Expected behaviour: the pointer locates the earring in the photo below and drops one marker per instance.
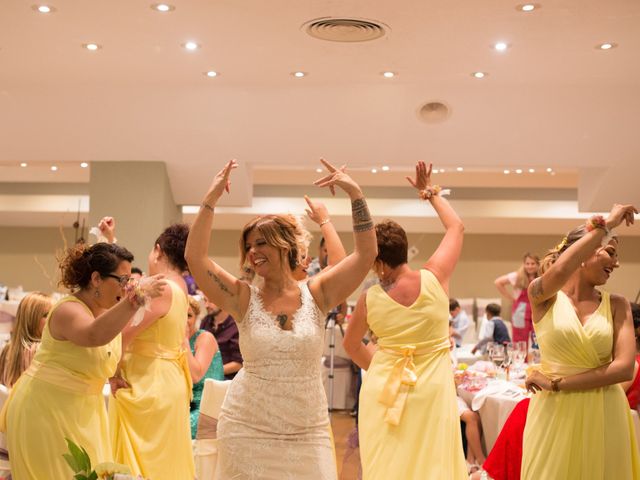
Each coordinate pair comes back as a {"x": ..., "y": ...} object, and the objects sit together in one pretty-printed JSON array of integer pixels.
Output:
[
  {"x": 582, "y": 264},
  {"x": 96, "y": 293}
]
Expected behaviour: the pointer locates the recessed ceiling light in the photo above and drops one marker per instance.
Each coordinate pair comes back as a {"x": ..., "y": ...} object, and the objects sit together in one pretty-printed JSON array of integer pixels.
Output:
[
  {"x": 163, "y": 7},
  {"x": 549, "y": 169},
  {"x": 532, "y": 170},
  {"x": 44, "y": 8},
  {"x": 374, "y": 170},
  {"x": 435, "y": 170},
  {"x": 54, "y": 168},
  {"x": 459, "y": 169},
  {"x": 211, "y": 73},
  {"x": 479, "y": 74},
  {"x": 388, "y": 74},
  {"x": 84, "y": 164},
  {"x": 92, "y": 46},
  {"x": 442, "y": 170},
  {"x": 518, "y": 170},
  {"x": 191, "y": 46},
  {"x": 385, "y": 168},
  {"x": 606, "y": 46},
  {"x": 298, "y": 74},
  {"x": 500, "y": 46},
  {"x": 23, "y": 164},
  {"x": 528, "y": 7},
  {"x": 506, "y": 172}
]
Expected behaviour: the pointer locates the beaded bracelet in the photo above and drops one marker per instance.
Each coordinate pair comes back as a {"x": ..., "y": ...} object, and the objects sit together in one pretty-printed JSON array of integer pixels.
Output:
[
  {"x": 324, "y": 222},
  {"x": 430, "y": 191},
  {"x": 596, "y": 221}
]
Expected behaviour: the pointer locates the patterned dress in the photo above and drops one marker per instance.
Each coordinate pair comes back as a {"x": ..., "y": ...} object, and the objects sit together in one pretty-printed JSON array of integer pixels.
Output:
[{"x": 274, "y": 422}]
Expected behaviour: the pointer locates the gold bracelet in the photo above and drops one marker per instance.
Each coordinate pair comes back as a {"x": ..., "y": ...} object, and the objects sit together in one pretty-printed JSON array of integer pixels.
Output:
[{"x": 554, "y": 385}]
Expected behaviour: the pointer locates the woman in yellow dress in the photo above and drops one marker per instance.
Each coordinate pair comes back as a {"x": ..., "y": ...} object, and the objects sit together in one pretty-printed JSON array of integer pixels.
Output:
[
  {"x": 149, "y": 417},
  {"x": 60, "y": 395},
  {"x": 409, "y": 423},
  {"x": 579, "y": 424}
]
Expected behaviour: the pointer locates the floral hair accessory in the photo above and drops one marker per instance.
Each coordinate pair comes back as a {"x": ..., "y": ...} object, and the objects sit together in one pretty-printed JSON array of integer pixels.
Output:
[
  {"x": 432, "y": 190},
  {"x": 562, "y": 244}
]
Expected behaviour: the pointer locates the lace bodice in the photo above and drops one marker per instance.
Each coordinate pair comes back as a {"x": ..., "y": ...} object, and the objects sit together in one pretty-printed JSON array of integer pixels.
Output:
[{"x": 271, "y": 352}]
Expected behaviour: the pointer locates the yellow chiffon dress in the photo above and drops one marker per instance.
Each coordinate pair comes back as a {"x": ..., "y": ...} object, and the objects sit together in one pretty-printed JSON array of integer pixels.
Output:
[
  {"x": 409, "y": 423},
  {"x": 150, "y": 423},
  {"x": 58, "y": 396},
  {"x": 588, "y": 434}
]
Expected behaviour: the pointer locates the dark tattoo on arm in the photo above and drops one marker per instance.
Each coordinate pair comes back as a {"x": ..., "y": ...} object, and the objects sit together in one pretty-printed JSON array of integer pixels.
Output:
[
  {"x": 219, "y": 283},
  {"x": 361, "y": 217},
  {"x": 536, "y": 288}
]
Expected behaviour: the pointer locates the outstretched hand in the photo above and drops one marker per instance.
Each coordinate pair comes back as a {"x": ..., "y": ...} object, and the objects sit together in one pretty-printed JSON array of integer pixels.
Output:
[
  {"x": 153, "y": 286},
  {"x": 337, "y": 177},
  {"x": 621, "y": 213},
  {"x": 317, "y": 211},
  {"x": 423, "y": 176},
  {"x": 221, "y": 182}
]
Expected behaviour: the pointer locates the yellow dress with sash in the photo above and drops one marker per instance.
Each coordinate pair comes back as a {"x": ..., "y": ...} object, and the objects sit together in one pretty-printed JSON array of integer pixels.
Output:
[
  {"x": 150, "y": 423},
  {"x": 58, "y": 396},
  {"x": 589, "y": 434},
  {"x": 409, "y": 423}
]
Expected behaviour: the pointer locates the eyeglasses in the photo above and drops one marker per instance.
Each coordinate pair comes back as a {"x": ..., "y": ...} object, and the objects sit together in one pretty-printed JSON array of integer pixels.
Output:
[{"x": 122, "y": 279}]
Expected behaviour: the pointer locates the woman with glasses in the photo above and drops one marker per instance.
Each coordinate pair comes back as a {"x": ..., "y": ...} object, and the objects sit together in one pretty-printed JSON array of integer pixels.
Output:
[
  {"x": 60, "y": 395},
  {"x": 16, "y": 355},
  {"x": 149, "y": 417}
]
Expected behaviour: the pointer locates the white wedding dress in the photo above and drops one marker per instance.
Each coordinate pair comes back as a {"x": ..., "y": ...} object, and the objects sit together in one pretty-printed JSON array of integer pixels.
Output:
[{"x": 274, "y": 422}]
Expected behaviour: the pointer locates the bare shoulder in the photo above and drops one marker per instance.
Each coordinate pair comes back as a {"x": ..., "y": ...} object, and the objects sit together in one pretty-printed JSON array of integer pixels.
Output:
[
  {"x": 70, "y": 309},
  {"x": 205, "y": 338},
  {"x": 619, "y": 303}
]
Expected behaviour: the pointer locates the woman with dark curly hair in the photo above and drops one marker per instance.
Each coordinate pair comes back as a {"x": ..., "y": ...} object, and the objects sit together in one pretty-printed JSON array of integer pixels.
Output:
[
  {"x": 60, "y": 395},
  {"x": 149, "y": 417}
]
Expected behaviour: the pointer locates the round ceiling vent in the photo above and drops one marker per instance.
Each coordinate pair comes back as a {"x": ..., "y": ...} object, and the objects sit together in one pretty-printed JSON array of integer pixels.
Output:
[
  {"x": 345, "y": 29},
  {"x": 434, "y": 112}
]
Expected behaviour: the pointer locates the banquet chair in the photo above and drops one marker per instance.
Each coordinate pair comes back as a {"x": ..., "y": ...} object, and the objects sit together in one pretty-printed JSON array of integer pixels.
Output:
[{"x": 205, "y": 450}]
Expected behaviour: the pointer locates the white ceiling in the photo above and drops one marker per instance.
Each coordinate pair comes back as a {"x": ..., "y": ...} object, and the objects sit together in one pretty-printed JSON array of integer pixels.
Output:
[{"x": 551, "y": 100}]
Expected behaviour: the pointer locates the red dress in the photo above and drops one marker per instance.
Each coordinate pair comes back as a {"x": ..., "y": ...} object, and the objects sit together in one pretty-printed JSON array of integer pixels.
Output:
[
  {"x": 505, "y": 459},
  {"x": 633, "y": 394},
  {"x": 521, "y": 318}
]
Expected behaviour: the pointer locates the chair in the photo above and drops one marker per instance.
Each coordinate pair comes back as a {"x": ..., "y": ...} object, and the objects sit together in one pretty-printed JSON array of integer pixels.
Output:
[
  {"x": 205, "y": 449},
  {"x": 636, "y": 424}
]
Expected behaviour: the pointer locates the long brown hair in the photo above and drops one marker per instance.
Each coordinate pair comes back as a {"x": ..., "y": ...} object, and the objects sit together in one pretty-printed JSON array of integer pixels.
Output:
[{"x": 17, "y": 354}]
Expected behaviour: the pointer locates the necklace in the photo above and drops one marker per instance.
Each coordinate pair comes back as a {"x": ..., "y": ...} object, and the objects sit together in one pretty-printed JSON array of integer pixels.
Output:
[{"x": 282, "y": 320}]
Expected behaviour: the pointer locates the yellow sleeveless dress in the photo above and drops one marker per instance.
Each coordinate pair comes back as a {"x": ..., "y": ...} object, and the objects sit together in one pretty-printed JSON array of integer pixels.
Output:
[
  {"x": 589, "y": 434},
  {"x": 409, "y": 423},
  {"x": 150, "y": 423},
  {"x": 58, "y": 396}
]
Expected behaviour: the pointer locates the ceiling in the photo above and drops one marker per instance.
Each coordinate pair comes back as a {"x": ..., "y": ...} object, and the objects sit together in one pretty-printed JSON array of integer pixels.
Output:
[{"x": 551, "y": 100}]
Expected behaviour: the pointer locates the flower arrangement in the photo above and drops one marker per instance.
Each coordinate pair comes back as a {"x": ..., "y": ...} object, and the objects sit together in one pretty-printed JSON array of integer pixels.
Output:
[{"x": 79, "y": 461}]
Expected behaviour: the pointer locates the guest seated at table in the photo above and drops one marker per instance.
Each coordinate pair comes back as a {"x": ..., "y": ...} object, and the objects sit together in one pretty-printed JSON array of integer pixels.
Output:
[
  {"x": 223, "y": 327},
  {"x": 204, "y": 360},
  {"x": 493, "y": 329},
  {"x": 473, "y": 434},
  {"x": 632, "y": 387},
  {"x": 25, "y": 338},
  {"x": 459, "y": 321}
]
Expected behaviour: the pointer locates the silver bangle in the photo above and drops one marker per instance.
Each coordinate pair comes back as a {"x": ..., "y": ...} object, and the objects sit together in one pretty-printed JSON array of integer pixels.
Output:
[{"x": 324, "y": 222}]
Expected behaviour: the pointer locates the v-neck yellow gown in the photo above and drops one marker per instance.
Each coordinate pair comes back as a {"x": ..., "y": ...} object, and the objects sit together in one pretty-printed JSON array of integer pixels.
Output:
[
  {"x": 58, "y": 396},
  {"x": 409, "y": 423},
  {"x": 150, "y": 422},
  {"x": 586, "y": 435}
]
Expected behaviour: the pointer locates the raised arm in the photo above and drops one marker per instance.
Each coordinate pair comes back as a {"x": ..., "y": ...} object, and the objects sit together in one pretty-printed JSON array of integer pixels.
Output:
[
  {"x": 318, "y": 212},
  {"x": 544, "y": 288},
  {"x": 221, "y": 287},
  {"x": 72, "y": 322},
  {"x": 334, "y": 285},
  {"x": 444, "y": 259}
]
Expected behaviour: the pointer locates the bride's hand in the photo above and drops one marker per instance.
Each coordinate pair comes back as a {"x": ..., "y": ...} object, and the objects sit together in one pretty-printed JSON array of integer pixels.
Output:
[
  {"x": 221, "y": 183},
  {"x": 337, "y": 177}
]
